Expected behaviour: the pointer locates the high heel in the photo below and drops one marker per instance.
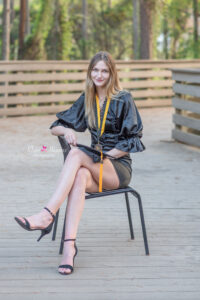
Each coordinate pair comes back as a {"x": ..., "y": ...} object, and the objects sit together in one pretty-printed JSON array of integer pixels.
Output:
[
  {"x": 44, "y": 231},
  {"x": 69, "y": 266}
]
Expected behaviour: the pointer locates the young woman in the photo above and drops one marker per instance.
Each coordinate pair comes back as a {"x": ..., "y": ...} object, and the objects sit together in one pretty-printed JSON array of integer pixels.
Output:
[{"x": 109, "y": 113}]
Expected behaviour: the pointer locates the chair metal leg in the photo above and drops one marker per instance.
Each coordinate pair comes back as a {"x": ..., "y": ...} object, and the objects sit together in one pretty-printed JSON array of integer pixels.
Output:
[
  {"x": 63, "y": 236},
  {"x": 129, "y": 216},
  {"x": 142, "y": 221},
  {"x": 55, "y": 226}
]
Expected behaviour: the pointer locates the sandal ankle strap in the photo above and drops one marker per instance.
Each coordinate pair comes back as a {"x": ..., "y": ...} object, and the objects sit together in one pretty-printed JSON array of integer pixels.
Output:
[
  {"x": 69, "y": 240},
  {"x": 50, "y": 212}
]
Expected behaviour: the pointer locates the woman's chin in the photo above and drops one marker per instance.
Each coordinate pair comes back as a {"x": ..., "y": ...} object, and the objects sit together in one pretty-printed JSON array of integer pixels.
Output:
[{"x": 100, "y": 84}]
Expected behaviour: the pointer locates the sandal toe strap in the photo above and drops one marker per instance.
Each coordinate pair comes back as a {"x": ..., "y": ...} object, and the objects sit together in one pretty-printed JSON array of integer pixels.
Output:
[{"x": 66, "y": 267}]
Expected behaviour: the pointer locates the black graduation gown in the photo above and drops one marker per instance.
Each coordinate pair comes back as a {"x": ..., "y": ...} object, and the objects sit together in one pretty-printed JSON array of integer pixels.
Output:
[{"x": 123, "y": 127}]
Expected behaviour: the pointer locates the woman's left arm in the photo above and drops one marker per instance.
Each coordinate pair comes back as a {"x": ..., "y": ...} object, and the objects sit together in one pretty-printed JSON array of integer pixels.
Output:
[{"x": 129, "y": 138}]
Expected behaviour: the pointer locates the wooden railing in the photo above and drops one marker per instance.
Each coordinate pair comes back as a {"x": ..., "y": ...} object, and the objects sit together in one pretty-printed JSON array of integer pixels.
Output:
[
  {"x": 187, "y": 106},
  {"x": 44, "y": 87}
]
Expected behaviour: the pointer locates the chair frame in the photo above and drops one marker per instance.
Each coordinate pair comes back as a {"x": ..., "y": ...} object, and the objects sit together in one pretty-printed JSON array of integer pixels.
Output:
[{"x": 66, "y": 148}]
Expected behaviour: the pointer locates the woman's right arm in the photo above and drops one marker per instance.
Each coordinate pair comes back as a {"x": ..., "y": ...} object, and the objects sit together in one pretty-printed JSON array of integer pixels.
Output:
[
  {"x": 66, "y": 132},
  {"x": 59, "y": 130},
  {"x": 69, "y": 120}
]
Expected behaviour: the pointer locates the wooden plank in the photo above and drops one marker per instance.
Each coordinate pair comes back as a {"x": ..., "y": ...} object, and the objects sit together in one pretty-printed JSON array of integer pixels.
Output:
[
  {"x": 156, "y": 66},
  {"x": 141, "y": 61},
  {"x": 32, "y": 110},
  {"x": 39, "y": 98},
  {"x": 145, "y": 74},
  {"x": 152, "y": 93},
  {"x": 187, "y": 77},
  {"x": 24, "y": 77},
  {"x": 187, "y": 71},
  {"x": 183, "y": 104},
  {"x": 185, "y": 137},
  {"x": 125, "y": 295},
  {"x": 147, "y": 84},
  {"x": 96, "y": 272},
  {"x": 112, "y": 261},
  {"x": 153, "y": 103},
  {"x": 97, "y": 285},
  {"x": 42, "y": 88},
  {"x": 43, "y": 67},
  {"x": 186, "y": 121},
  {"x": 83, "y": 65},
  {"x": 192, "y": 90}
]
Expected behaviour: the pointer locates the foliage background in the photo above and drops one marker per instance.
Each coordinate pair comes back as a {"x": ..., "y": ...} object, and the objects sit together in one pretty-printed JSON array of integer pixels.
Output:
[{"x": 57, "y": 29}]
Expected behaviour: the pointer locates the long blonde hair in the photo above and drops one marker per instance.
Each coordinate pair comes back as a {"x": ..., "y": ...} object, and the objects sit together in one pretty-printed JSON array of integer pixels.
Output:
[{"x": 112, "y": 88}]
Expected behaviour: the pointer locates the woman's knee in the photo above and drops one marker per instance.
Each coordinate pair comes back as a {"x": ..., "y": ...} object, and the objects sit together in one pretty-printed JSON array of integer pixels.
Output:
[
  {"x": 82, "y": 175},
  {"x": 74, "y": 153}
]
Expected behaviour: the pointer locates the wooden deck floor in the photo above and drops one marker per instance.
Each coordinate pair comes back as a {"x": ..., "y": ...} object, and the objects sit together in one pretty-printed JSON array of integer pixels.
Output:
[{"x": 109, "y": 265}]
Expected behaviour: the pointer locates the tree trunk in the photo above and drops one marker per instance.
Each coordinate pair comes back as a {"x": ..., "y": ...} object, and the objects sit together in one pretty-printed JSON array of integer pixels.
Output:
[
  {"x": 146, "y": 35},
  {"x": 6, "y": 30},
  {"x": 135, "y": 29},
  {"x": 27, "y": 24},
  {"x": 195, "y": 17},
  {"x": 22, "y": 26},
  {"x": 12, "y": 12},
  {"x": 55, "y": 30},
  {"x": 165, "y": 34},
  {"x": 13, "y": 46},
  {"x": 84, "y": 28}
]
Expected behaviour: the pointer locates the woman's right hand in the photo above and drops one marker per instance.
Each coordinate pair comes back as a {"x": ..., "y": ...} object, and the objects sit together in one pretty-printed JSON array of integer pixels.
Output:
[{"x": 70, "y": 136}]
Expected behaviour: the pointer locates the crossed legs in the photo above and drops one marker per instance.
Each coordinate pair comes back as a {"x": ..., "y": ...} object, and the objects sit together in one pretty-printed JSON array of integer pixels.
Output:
[{"x": 79, "y": 175}]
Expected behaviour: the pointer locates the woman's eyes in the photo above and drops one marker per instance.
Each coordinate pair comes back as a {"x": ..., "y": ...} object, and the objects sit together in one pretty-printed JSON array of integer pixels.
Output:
[{"x": 103, "y": 71}]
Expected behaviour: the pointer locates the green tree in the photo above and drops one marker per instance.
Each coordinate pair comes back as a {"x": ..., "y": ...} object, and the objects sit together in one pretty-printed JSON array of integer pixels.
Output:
[
  {"x": 35, "y": 43},
  {"x": 59, "y": 39}
]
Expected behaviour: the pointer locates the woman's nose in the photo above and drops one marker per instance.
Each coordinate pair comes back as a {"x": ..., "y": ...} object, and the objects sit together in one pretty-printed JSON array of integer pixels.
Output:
[{"x": 99, "y": 73}]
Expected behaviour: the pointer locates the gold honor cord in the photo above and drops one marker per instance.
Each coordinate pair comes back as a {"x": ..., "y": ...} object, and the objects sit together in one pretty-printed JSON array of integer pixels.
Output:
[{"x": 102, "y": 131}]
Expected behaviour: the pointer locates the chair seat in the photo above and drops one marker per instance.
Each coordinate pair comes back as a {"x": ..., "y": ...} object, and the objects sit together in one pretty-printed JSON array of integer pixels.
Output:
[{"x": 108, "y": 192}]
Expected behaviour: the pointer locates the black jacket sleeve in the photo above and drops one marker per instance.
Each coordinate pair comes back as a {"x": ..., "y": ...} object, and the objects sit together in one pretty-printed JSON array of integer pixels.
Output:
[
  {"x": 74, "y": 117},
  {"x": 131, "y": 129}
]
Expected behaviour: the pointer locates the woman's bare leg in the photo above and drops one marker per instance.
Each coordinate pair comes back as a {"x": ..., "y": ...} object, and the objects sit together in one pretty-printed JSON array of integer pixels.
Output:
[
  {"x": 75, "y": 205},
  {"x": 75, "y": 159}
]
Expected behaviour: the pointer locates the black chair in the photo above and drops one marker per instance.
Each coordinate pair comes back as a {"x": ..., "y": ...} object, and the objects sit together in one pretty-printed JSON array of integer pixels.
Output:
[{"x": 66, "y": 148}]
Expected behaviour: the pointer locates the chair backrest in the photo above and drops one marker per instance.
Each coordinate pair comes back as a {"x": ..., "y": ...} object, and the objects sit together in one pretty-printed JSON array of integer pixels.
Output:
[{"x": 64, "y": 145}]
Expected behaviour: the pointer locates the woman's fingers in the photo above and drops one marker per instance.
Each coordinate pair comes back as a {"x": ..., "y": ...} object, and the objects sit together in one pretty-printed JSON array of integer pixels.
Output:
[{"x": 71, "y": 139}]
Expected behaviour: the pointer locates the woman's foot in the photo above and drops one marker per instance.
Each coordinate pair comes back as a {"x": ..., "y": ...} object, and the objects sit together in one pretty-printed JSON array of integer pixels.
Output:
[
  {"x": 40, "y": 220},
  {"x": 68, "y": 255}
]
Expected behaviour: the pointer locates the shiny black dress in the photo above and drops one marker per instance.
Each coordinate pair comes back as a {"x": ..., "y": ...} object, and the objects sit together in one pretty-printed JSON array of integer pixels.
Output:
[{"x": 123, "y": 130}]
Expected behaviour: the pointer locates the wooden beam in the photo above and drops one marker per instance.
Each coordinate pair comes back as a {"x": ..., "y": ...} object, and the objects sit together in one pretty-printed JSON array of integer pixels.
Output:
[
  {"x": 186, "y": 121},
  {"x": 185, "y": 137},
  {"x": 180, "y": 103}
]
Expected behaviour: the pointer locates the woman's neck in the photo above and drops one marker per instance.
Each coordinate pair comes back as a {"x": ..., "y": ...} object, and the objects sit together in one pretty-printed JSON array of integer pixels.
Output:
[{"x": 101, "y": 92}]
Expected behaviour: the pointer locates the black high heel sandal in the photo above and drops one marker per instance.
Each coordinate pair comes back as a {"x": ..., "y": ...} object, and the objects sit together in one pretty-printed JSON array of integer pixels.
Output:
[
  {"x": 44, "y": 231},
  {"x": 69, "y": 266}
]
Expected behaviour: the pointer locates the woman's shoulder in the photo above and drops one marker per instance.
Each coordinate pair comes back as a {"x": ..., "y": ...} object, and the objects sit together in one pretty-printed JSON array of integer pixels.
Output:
[
  {"x": 80, "y": 100},
  {"x": 123, "y": 96}
]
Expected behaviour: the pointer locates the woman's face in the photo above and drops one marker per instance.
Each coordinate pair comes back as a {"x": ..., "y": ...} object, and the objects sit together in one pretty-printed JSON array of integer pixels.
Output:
[{"x": 100, "y": 74}]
